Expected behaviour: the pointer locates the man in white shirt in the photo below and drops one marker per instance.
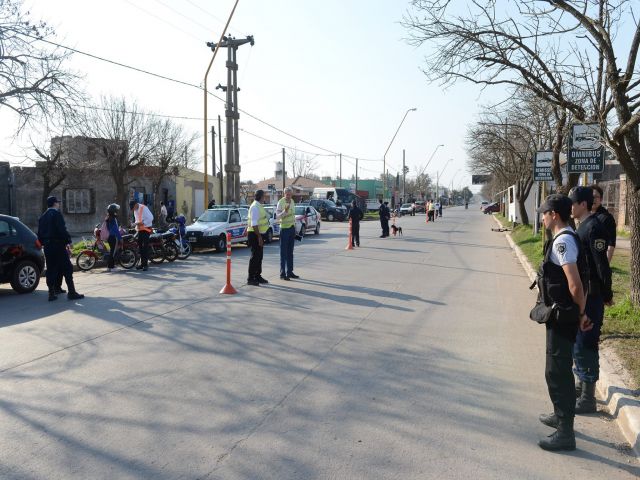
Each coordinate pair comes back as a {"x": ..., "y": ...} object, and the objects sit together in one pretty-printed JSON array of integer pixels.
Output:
[
  {"x": 258, "y": 226},
  {"x": 143, "y": 220}
]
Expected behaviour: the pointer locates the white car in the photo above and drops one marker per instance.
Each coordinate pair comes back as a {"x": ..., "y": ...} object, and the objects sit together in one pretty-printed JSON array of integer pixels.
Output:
[
  {"x": 405, "y": 209},
  {"x": 274, "y": 225},
  {"x": 307, "y": 220},
  {"x": 210, "y": 229}
]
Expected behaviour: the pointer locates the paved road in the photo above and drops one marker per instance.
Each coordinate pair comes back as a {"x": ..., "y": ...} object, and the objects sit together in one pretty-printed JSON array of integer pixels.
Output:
[{"x": 410, "y": 357}]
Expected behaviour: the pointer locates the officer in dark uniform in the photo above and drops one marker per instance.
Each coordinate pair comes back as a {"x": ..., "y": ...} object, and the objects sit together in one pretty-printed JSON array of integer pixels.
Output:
[
  {"x": 53, "y": 234},
  {"x": 598, "y": 289},
  {"x": 355, "y": 214},
  {"x": 560, "y": 285},
  {"x": 607, "y": 220}
]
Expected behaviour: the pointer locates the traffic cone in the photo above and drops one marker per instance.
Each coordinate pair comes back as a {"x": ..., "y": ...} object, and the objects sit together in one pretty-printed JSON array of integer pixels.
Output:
[{"x": 228, "y": 288}]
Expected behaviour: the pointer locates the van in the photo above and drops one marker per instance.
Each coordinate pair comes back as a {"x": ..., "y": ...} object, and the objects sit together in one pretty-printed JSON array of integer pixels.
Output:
[{"x": 337, "y": 194}]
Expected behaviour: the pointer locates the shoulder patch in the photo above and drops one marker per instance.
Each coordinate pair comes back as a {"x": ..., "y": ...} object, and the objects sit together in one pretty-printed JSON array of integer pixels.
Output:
[
  {"x": 561, "y": 247},
  {"x": 600, "y": 244}
]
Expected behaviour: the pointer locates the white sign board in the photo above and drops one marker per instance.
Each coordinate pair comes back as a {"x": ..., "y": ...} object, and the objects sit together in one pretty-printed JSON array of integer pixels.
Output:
[{"x": 542, "y": 167}]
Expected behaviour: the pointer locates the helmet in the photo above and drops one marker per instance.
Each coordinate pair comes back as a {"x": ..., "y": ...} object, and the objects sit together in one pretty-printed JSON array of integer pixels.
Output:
[
  {"x": 113, "y": 208},
  {"x": 181, "y": 220}
]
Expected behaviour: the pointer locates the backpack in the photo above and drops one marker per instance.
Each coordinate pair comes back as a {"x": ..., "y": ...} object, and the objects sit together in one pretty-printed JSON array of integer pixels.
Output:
[{"x": 104, "y": 231}]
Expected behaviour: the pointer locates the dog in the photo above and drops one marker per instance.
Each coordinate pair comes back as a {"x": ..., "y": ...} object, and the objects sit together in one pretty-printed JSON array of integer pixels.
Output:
[{"x": 396, "y": 230}]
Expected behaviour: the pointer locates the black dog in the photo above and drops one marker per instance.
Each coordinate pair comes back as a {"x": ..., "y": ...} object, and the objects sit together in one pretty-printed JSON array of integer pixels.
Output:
[{"x": 396, "y": 230}]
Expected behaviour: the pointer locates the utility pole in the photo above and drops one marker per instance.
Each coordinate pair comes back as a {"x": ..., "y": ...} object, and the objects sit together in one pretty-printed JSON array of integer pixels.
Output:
[
  {"x": 220, "y": 155},
  {"x": 404, "y": 176},
  {"x": 213, "y": 151},
  {"x": 232, "y": 165},
  {"x": 284, "y": 172},
  {"x": 341, "y": 170},
  {"x": 356, "y": 192}
]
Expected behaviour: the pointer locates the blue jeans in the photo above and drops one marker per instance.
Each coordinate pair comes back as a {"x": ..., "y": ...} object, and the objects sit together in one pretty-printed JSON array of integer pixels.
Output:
[
  {"x": 287, "y": 237},
  {"x": 585, "y": 350}
]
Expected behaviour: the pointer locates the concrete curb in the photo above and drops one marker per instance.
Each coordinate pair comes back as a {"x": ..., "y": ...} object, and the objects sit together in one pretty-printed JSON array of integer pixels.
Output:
[{"x": 620, "y": 401}]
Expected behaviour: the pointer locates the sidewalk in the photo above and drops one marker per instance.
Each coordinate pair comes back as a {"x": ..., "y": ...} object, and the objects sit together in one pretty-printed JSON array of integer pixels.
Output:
[{"x": 617, "y": 399}]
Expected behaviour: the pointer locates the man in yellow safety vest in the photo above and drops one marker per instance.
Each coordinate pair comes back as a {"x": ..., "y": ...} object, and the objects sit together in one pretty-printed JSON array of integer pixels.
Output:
[
  {"x": 286, "y": 213},
  {"x": 258, "y": 226}
]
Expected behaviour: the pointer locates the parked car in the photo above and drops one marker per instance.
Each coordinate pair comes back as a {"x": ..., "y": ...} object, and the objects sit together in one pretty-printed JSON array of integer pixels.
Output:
[
  {"x": 328, "y": 209},
  {"x": 492, "y": 208},
  {"x": 274, "y": 225},
  {"x": 21, "y": 255},
  {"x": 373, "y": 205},
  {"x": 405, "y": 209},
  {"x": 307, "y": 220},
  {"x": 420, "y": 206},
  {"x": 210, "y": 229}
]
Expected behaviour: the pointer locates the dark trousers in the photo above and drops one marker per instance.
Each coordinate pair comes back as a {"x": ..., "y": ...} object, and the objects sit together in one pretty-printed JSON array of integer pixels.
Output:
[
  {"x": 585, "y": 351},
  {"x": 430, "y": 214},
  {"x": 287, "y": 238},
  {"x": 385, "y": 226},
  {"x": 143, "y": 246},
  {"x": 355, "y": 233},
  {"x": 562, "y": 389},
  {"x": 58, "y": 266},
  {"x": 255, "y": 261},
  {"x": 113, "y": 242}
]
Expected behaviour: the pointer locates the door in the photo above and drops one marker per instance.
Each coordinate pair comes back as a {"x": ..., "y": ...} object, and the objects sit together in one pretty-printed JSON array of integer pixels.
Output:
[{"x": 198, "y": 202}]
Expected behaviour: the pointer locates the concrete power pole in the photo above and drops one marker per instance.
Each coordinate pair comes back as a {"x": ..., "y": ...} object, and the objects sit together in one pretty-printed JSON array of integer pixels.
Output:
[
  {"x": 232, "y": 165},
  {"x": 220, "y": 155},
  {"x": 356, "y": 192},
  {"x": 284, "y": 172},
  {"x": 404, "y": 177}
]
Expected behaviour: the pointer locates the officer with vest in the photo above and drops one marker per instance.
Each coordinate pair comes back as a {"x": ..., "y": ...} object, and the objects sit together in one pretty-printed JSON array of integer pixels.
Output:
[
  {"x": 258, "y": 226},
  {"x": 560, "y": 288},
  {"x": 53, "y": 234},
  {"x": 285, "y": 212},
  {"x": 143, "y": 220},
  {"x": 598, "y": 291}
]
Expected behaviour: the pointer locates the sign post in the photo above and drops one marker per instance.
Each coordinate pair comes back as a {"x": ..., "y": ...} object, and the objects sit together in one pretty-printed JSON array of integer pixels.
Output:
[{"x": 586, "y": 152}]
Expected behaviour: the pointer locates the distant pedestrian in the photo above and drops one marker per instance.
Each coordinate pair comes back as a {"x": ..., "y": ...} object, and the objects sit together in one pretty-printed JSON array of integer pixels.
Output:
[
  {"x": 385, "y": 216},
  {"x": 439, "y": 209},
  {"x": 431, "y": 211},
  {"x": 381, "y": 215},
  {"x": 258, "y": 226},
  {"x": 143, "y": 219},
  {"x": 163, "y": 215},
  {"x": 53, "y": 234},
  {"x": 185, "y": 208},
  {"x": 115, "y": 238},
  {"x": 212, "y": 203},
  {"x": 607, "y": 220},
  {"x": 286, "y": 213},
  {"x": 355, "y": 214},
  {"x": 413, "y": 209}
]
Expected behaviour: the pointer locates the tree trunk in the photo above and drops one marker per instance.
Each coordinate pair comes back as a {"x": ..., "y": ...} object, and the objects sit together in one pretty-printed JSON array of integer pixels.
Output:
[
  {"x": 523, "y": 210},
  {"x": 634, "y": 224},
  {"x": 122, "y": 197}
]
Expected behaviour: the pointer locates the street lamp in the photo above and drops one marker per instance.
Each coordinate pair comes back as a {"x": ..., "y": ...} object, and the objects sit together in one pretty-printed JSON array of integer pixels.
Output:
[
  {"x": 384, "y": 157},
  {"x": 451, "y": 190},
  {"x": 438, "y": 178}
]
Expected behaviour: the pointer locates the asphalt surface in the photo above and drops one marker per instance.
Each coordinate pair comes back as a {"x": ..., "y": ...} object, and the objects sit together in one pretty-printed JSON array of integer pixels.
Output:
[{"x": 410, "y": 357}]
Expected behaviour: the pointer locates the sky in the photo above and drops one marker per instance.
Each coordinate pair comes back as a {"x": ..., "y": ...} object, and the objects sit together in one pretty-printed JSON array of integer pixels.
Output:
[{"x": 336, "y": 73}]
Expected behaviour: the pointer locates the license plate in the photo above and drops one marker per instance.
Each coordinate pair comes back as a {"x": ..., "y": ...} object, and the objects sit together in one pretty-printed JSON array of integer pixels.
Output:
[{"x": 192, "y": 239}]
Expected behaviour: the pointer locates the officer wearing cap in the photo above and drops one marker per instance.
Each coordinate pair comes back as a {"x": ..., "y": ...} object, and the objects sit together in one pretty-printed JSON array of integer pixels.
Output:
[
  {"x": 560, "y": 285},
  {"x": 605, "y": 217},
  {"x": 53, "y": 234},
  {"x": 598, "y": 289}
]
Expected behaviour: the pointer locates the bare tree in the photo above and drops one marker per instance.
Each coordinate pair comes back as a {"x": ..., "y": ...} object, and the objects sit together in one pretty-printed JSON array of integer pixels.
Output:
[
  {"x": 33, "y": 81},
  {"x": 301, "y": 164},
  {"x": 126, "y": 136},
  {"x": 571, "y": 54}
]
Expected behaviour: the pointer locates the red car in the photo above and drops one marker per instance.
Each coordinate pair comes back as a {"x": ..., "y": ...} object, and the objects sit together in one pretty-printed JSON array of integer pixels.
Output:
[{"x": 492, "y": 208}]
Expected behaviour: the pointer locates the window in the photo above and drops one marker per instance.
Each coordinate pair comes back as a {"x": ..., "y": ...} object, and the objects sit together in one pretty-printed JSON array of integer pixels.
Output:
[
  {"x": 78, "y": 200},
  {"x": 6, "y": 230},
  {"x": 244, "y": 213},
  {"x": 234, "y": 217}
]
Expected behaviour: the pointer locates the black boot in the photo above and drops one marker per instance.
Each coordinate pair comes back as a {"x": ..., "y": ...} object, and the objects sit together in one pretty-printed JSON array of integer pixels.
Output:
[
  {"x": 579, "y": 384},
  {"x": 73, "y": 295},
  {"x": 587, "y": 401},
  {"x": 549, "y": 419},
  {"x": 52, "y": 295},
  {"x": 563, "y": 438},
  {"x": 60, "y": 291}
]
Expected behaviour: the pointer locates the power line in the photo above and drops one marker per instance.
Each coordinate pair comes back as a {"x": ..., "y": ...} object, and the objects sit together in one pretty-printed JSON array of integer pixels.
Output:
[
  {"x": 195, "y": 22},
  {"x": 163, "y": 20},
  {"x": 220, "y": 20},
  {"x": 181, "y": 82}
]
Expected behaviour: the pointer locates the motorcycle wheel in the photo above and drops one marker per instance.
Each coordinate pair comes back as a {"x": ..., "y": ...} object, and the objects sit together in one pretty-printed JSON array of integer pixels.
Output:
[
  {"x": 86, "y": 261},
  {"x": 156, "y": 255},
  {"x": 171, "y": 251},
  {"x": 184, "y": 251},
  {"x": 128, "y": 258}
]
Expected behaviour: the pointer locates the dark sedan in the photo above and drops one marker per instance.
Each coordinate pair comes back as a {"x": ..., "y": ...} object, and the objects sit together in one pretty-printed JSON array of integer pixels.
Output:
[
  {"x": 492, "y": 208},
  {"x": 21, "y": 256}
]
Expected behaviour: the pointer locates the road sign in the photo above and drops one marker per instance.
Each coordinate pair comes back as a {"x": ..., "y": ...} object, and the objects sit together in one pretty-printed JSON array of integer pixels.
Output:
[
  {"x": 542, "y": 167},
  {"x": 586, "y": 153}
]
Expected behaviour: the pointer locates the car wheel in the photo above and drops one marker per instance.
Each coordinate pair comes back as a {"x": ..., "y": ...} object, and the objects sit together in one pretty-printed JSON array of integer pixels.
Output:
[
  {"x": 330, "y": 217},
  {"x": 86, "y": 261},
  {"x": 221, "y": 244},
  {"x": 25, "y": 277},
  {"x": 317, "y": 230},
  {"x": 268, "y": 238}
]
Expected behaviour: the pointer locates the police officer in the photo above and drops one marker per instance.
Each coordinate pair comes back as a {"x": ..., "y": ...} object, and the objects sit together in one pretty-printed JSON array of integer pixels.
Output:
[
  {"x": 258, "y": 226},
  {"x": 355, "y": 214},
  {"x": 53, "y": 234},
  {"x": 560, "y": 285},
  {"x": 285, "y": 212},
  {"x": 593, "y": 237},
  {"x": 607, "y": 220}
]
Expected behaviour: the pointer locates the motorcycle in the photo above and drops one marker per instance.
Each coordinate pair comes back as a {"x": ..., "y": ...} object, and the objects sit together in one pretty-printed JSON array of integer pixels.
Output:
[
  {"x": 97, "y": 250},
  {"x": 179, "y": 230}
]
